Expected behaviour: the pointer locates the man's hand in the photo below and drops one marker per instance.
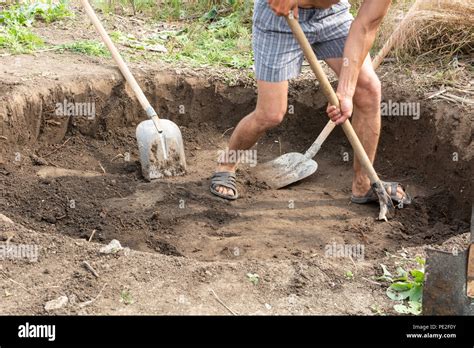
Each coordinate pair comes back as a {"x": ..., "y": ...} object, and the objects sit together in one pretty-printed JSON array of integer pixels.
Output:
[
  {"x": 360, "y": 40},
  {"x": 339, "y": 116},
  {"x": 283, "y": 7}
]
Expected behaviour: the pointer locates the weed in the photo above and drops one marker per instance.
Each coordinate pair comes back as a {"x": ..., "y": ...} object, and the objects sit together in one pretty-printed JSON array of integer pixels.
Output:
[
  {"x": 126, "y": 297},
  {"x": 50, "y": 12},
  {"x": 15, "y": 23},
  {"x": 253, "y": 278},
  {"x": 88, "y": 47},
  {"x": 19, "y": 39},
  {"x": 221, "y": 36},
  {"x": 406, "y": 285},
  {"x": 215, "y": 40},
  {"x": 377, "y": 310},
  {"x": 349, "y": 275},
  {"x": 110, "y": 6}
]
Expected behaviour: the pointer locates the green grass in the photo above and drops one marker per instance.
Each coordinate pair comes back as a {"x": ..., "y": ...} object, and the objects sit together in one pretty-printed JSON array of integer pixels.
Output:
[
  {"x": 134, "y": 6},
  {"x": 169, "y": 10},
  {"x": 216, "y": 39},
  {"x": 49, "y": 12},
  {"x": 88, "y": 47},
  {"x": 219, "y": 36},
  {"x": 16, "y": 22},
  {"x": 19, "y": 39}
]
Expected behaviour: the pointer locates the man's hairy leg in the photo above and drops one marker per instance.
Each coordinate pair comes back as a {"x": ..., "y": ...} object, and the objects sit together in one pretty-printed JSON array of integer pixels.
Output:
[
  {"x": 366, "y": 120},
  {"x": 271, "y": 108}
]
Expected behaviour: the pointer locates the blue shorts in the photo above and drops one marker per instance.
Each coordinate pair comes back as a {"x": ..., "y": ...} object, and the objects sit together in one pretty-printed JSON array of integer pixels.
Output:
[{"x": 278, "y": 56}]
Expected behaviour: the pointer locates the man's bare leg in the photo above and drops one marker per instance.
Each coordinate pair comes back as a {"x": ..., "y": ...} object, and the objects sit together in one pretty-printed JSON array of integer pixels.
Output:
[
  {"x": 366, "y": 120},
  {"x": 271, "y": 108}
]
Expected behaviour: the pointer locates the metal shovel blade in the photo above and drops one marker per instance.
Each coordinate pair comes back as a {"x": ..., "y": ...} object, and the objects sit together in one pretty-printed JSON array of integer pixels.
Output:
[
  {"x": 444, "y": 291},
  {"x": 286, "y": 170},
  {"x": 448, "y": 280},
  {"x": 161, "y": 155}
]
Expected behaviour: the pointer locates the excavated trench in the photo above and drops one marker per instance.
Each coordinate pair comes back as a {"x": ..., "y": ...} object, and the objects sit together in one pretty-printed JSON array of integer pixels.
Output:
[{"x": 178, "y": 216}]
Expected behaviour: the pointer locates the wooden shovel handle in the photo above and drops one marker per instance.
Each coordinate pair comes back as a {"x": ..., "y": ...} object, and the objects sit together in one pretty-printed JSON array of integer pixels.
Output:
[
  {"x": 318, "y": 143},
  {"x": 120, "y": 62},
  {"x": 332, "y": 97},
  {"x": 392, "y": 41}
]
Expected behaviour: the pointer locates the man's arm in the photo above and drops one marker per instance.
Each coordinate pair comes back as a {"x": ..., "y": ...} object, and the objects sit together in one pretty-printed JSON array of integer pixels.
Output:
[{"x": 360, "y": 40}]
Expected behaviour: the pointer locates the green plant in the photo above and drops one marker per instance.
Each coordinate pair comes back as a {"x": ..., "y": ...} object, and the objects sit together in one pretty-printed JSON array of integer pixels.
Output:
[
  {"x": 217, "y": 38},
  {"x": 19, "y": 39},
  {"x": 406, "y": 286},
  {"x": 88, "y": 47},
  {"x": 377, "y": 310},
  {"x": 16, "y": 20},
  {"x": 216, "y": 32},
  {"x": 173, "y": 9},
  {"x": 126, "y": 297},
  {"x": 253, "y": 278},
  {"x": 25, "y": 14},
  {"x": 50, "y": 12},
  {"x": 135, "y": 5}
]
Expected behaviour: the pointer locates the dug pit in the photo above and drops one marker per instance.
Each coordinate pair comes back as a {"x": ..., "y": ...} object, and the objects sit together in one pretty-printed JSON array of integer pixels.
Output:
[{"x": 179, "y": 216}]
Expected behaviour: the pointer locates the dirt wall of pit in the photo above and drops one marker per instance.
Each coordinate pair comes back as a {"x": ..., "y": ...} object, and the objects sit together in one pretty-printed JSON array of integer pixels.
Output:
[{"x": 437, "y": 147}]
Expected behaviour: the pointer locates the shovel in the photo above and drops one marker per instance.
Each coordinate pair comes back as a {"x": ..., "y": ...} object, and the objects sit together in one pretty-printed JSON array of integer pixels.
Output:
[
  {"x": 449, "y": 281},
  {"x": 160, "y": 142},
  {"x": 292, "y": 167},
  {"x": 387, "y": 209}
]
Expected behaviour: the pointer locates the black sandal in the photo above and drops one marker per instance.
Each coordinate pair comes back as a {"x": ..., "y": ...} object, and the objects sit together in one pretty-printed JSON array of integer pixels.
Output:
[
  {"x": 371, "y": 196},
  {"x": 227, "y": 180}
]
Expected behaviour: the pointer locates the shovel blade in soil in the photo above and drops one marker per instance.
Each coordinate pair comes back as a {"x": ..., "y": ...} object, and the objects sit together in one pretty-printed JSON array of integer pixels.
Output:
[
  {"x": 160, "y": 155},
  {"x": 286, "y": 170}
]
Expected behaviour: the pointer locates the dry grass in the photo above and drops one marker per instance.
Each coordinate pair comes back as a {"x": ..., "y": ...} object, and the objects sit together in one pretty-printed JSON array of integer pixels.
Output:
[
  {"x": 432, "y": 41},
  {"x": 430, "y": 29},
  {"x": 439, "y": 28}
]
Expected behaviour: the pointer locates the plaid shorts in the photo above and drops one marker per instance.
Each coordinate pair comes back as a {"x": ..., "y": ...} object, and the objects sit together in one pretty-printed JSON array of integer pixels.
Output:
[{"x": 278, "y": 56}]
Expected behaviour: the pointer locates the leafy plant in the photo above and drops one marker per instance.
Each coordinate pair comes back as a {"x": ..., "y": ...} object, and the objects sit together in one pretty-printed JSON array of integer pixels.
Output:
[
  {"x": 25, "y": 14},
  {"x": 50, "y": 12},
  {"x": 406, "y": 286},
  {"x": 126, "y": 297},
  {"x": 16, "y": 21},
  {"x": 214, "y": 40},
  {"x": 19, "y": 39},
  {"x": 135, "y": 5},
  {"x": 254, "y": 278},
  {"x": 377, "y": 309},
  {"x": 216, "y": 32},
  {"x": 412, "y": 308},
  {"x": 88, "y": 47}
]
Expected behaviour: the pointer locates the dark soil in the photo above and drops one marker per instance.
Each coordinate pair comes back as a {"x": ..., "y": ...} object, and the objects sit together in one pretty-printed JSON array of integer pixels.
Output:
[{"x": 179, "y": 216}]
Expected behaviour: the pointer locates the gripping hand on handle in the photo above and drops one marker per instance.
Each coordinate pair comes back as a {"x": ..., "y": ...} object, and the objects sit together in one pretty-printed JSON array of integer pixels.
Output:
[{"x": 283, "y": 7}]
